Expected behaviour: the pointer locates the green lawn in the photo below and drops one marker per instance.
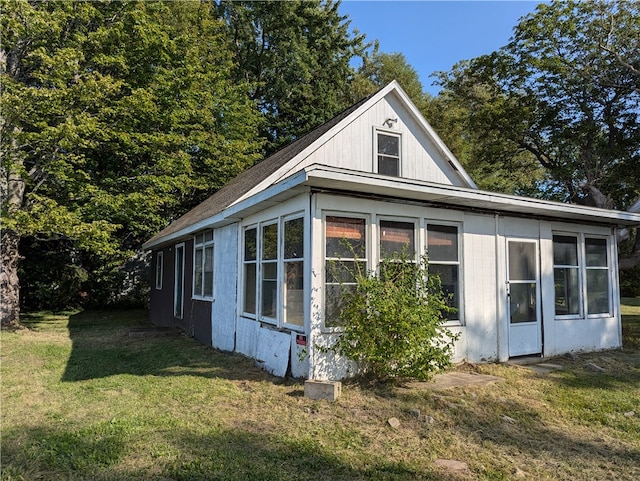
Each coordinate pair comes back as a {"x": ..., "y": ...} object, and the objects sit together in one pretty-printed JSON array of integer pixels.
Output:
[{"x": 81, "y": 399}]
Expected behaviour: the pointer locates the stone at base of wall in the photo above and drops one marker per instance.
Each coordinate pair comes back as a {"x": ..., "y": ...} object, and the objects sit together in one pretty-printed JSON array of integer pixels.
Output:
[{"x": 329, "y": 390}]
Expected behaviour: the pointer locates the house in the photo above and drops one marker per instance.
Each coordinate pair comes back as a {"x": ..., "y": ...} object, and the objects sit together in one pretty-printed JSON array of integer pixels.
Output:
[{"x": 246, "y": 270}]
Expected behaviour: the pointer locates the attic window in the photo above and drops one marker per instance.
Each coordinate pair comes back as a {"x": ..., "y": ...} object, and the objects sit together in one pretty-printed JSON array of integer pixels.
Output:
[{"x": 388, "y": 153}]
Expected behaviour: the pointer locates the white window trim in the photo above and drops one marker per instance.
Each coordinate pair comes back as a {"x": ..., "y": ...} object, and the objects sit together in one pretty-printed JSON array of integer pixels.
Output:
[
  {"x": 582, "y": 275},
  {"x": 159, "y": 269},
  {"x": 581, "y": 285},
  {"x": 203, "y": 245},
  {"x": 460, "y": 263},
  {"x": 368, "y": 255},
  {"x": 392, "y": 133},
  {"x": 283, "y": 261},
  {"x": 417, "y": 237},
  {"x": 244, "y": 263},
  {"x": 279, "y": 320},
  {"x": 609, "y": 312},
  {"x": 262, "y": 318}
]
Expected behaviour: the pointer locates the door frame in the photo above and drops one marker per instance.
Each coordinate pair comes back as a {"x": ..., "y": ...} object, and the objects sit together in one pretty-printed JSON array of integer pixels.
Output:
[{"x": 524, "y": 338}]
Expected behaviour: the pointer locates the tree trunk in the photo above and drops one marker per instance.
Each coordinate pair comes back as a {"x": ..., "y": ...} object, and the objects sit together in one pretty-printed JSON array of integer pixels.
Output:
[
  {"x": 12, "y": 192},
  {"x": 9, "y": 282}
]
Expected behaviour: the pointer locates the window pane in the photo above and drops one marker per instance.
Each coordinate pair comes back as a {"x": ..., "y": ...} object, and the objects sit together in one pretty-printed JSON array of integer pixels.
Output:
[
  {"x": 388, "y": 165},
  {"x": 270, "y": 241},
  {"x": 294, "y": 286},
  {"x": 596, "y": 252},
  {"x": 522, "y": 261},
  {"x": 270, "y": 270},
  {"x": 250, "y": 288},
  {"x": 269, "y": 289},
  {"x": 294, "y": 238},
  {"x": 250, "y": 245},
  {"x": 345, "y": 237},
  {"x": 522, "y": 302},
  {"x": 565, "y": 250},
  {"x": 396, "y": 237},
  {"x": 208, "y": 271},
  {"x": 389, "y": 145},
  {"x": 334, "y": 303},
  {"x": 450, "y": 286},
  {"x": 269, "y": 298},
  {"x": 343, "y": 271},
  {"x": 597, "y": 291},
  {"x": 208, "y": 235},
  {"x": 442, "y": 243},
  {"x": 197, "y": 278},
  {"x": 567, "y": 291}
]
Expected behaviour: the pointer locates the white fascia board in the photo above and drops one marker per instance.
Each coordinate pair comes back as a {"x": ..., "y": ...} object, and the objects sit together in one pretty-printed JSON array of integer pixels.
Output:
[
  {"x": 236, "y": 211},
  {"x": 462, "y": 198}
]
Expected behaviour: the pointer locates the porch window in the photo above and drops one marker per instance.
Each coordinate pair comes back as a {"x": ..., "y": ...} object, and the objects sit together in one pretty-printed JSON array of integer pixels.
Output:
[
  {"x": 397, "y": 239},
  {"x": 566, "y": 275},
  {"x": 294, "y": 271},
  {"x": 388, "y": 153},
  {"x": 159, "y": 269},
  {"x": 250, "y": 270},
  {"x": 269, "y": 272},
  {"x": 273, "y": 272},
  {"x": 581, "y": 275},
  {"x": 597, "y": 270},
  {"x": 444, "y": 261},
  {"x": 203, "y": 266},
  {"x": 345, "y": 254}
]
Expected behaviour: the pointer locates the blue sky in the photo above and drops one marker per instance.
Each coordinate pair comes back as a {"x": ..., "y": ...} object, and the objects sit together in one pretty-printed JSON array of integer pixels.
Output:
[{"x": 434, "y": 35}]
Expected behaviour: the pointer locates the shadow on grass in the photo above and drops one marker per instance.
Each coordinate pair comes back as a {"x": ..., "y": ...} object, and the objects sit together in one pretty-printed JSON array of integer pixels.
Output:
[
  {"x": 222, "y": 455},
  {"x": 102, "y": 346}
]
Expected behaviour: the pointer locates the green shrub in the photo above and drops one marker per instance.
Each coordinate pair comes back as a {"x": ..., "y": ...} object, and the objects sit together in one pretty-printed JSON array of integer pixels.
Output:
[{"x": 393, "y": 321}]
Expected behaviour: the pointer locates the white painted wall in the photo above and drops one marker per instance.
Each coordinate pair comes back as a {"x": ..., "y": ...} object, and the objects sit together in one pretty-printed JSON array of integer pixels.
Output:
[
  {"x": 353, "y": 146},
  {"x": 223, "y": 310},
  {"x": 484, "y": 326}
]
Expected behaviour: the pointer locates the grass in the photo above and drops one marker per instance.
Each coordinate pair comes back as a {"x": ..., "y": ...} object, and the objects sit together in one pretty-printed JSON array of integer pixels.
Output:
[{"x": 81, "y": 399}]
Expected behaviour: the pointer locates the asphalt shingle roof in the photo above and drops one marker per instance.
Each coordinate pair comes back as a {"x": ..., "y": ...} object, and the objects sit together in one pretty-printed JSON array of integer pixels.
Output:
[{"x": 251, "y": 177}]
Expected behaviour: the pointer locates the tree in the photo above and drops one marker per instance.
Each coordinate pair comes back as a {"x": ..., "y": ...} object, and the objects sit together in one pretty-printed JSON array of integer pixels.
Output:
[
  {"x": 296, "y": 56},
  {"x": 117, "y": 116},
  {"x": 565, "y": 92}
]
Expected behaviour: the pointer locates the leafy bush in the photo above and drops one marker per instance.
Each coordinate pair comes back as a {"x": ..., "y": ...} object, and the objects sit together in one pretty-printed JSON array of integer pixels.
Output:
[{"x": 393, "y": 321}]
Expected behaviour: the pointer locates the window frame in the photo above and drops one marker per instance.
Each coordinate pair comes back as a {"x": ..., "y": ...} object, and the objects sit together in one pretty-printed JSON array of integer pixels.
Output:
[
  {"x": 159, "y": 269},
  {"x": 260, "y": 273},
  {"x": 583, "y": 269},
  {"x": 459, "y": 320},
  {"x": 367, "y": 258},
  {"x": 203, "y": 246},
  {"x": 280, "y": 262},
  {"x": 289, "y": 260},
  {"x": 245, "y": 263},
  {"x": 606, "y": 268},
  {"x": 581, "y": 310},
  {"x": 376, "y": 161}
]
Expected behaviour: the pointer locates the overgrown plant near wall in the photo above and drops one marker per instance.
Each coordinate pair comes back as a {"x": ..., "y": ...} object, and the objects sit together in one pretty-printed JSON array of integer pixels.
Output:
[{"x": 393, "y": 321}]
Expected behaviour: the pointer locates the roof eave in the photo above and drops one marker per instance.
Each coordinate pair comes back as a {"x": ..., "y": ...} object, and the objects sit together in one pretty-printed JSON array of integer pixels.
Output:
[
  {"x": 463, "y": 198},
  {"x": 273, "y": 195}
]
